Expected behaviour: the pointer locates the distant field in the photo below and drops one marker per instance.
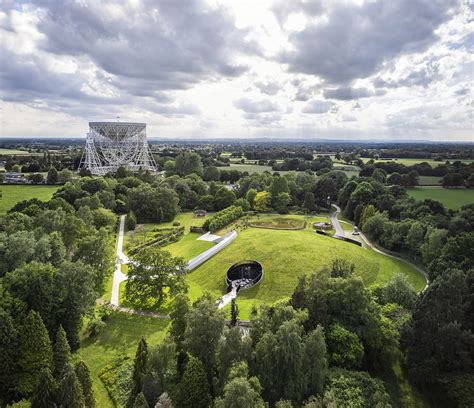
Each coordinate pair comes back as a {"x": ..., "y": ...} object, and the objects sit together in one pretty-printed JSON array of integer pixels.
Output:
[
  {"x": 411, "y": 162},
  {"x": 10, "y": 195},
  {"x": 451, "y": 198},
  {"x": 13, "y": 152},
  {"x": 430, "y": 180},
  {"x": 252, "y": 168}
]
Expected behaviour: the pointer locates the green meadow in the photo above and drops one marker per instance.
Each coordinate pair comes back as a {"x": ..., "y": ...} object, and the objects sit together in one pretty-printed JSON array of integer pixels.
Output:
[
  {"x": 12, "y": 194},
  {"x": 453, "y": 198}
]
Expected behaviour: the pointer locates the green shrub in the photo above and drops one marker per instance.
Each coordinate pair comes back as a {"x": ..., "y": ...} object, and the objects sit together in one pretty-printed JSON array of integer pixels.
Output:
[
  {"x": 223, "y": 218},
  {"x": 117, "y": 380}
]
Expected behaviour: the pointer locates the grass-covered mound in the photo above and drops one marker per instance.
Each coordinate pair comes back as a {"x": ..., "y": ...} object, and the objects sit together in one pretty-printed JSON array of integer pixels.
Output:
[
  {"x": 285, "y": 255},
  {"x": 279, "y": 223}
]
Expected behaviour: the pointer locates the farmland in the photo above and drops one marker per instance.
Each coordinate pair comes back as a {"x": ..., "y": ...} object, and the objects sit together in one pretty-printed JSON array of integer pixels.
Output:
[
  {"x": 12, "y": 194},
  {"x": 451, "y": 198}
]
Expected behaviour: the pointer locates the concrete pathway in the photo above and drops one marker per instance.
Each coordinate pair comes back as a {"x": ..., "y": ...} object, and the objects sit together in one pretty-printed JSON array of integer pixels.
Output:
[
  {"x": 209, "y": 237},
  {"x": 120, "y": 259},
  {"x": 227, "y": 298},
  {"x": 335, "y": 222},
  {"x": 337, "y": 226}
]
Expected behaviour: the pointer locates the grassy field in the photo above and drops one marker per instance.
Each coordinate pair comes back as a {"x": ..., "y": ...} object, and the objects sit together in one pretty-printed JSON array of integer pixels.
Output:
[
  {"x": 13, "y": 152},
  {"x": 411, "y": 162},
  {"x": 12, "y": 194},
  {"x": 285, "y": 255},
  {"x": 452, "y": 198},
  {"x": 119, "y": 337}
]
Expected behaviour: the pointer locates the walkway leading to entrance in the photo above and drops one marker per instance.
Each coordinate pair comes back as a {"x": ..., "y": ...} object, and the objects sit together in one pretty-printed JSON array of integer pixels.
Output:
[{"x": 122, "y": 259}]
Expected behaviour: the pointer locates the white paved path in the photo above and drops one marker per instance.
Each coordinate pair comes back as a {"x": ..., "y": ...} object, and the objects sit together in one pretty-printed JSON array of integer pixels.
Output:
[{"x": 120, "y": 259}]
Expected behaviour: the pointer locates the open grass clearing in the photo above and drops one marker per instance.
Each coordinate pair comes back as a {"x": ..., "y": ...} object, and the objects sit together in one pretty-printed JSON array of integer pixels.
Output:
[
  {"x": 285, "y": 255},
  {"x": 453, "y": 198},
  {"x": 412, "y": 161},
  {"x": 12, "y": 194},
  {"x": 118, "y": 338},
  {"x": 15, "y": 152}
]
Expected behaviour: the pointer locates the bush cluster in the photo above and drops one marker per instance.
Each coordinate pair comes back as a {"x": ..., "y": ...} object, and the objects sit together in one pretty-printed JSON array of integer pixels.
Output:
[{"x": 223, "y": 218}]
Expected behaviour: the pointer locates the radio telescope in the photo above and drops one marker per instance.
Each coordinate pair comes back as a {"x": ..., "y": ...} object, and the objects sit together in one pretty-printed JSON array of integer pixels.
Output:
[{"x": 110, "y": 145}]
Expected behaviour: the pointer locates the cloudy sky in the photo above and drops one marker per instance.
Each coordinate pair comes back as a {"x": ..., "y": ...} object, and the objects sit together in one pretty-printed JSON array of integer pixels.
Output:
[{"x": 391, "y": 70}]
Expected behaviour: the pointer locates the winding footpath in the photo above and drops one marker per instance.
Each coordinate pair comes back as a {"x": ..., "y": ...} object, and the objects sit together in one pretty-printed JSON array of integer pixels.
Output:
[{"x": 340, "y": 232}]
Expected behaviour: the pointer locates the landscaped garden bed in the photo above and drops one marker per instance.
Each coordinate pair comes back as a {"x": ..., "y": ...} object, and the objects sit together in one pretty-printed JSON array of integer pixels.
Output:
[{"x": 279, "y": 223}]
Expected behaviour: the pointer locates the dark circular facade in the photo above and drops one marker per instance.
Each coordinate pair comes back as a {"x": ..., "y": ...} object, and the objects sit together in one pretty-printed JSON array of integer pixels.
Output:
[{"x": 244, "y": 275}]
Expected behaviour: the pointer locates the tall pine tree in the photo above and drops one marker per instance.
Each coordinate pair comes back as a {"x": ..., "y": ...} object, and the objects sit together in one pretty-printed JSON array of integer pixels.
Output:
[
  {"x": 84, "y": 377},
  {"x": 34, "y": 353},
  {"x": 139, "y": 371},
  {"x": 70, "y": 390},
  {"x": 8, "y": 346},
  {"x": 61, "y": 353},
  {"x": 194, "y": 388},
  {"x": 45, "y": 393},
  {"x": 140, "y": 401}
]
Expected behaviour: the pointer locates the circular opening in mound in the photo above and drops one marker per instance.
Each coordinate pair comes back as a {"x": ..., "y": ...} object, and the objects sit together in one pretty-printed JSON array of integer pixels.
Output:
[{"x": 243, "y": 275}]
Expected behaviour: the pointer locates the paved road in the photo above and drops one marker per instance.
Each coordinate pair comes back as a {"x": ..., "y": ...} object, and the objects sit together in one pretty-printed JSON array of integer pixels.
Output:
[
  {"x": 340, "y": 231},
  {"x": 335, "y": 222},
  {"x": 119, "y": 277}
]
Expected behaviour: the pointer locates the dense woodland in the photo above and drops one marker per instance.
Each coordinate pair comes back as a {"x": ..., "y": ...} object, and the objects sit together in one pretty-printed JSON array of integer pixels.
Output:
[{"x": 332, "y": 344}]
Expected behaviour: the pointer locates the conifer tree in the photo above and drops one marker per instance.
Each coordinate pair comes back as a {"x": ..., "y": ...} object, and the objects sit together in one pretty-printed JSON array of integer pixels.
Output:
[
  {"x": 34, "y": 353},
  {"x": 8, "y": 346},
  {"x": 178, "y": 316},
  {"x": 140, "y": 401},
  {"x": 70, "y": 390},
  {"x": 164, "y": 401},
  {"x": 139, "y": 371},
  {"x": 61, "y": 353},
  {"x": 194, "y": 388},
  {"x": 234, "y": 313},
  {"x": 45, "y": 393},
  {"x": 84, "y": 377}
]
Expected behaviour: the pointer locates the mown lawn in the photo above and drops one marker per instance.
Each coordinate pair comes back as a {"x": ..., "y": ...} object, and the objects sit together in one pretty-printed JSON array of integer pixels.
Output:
[
  {"x": 285, "y": 255},
  {"x": 12, "y": 194},
  {"x": 453, "y": 198},
  {"x": 188, "y": 246},
  {"x": 119, "y": 338}
]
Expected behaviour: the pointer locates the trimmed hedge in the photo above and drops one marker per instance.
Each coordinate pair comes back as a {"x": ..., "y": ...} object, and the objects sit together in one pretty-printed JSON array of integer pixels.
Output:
[
  {"x": 163, "y": 236},
  {"x": 223, "y": 218}
]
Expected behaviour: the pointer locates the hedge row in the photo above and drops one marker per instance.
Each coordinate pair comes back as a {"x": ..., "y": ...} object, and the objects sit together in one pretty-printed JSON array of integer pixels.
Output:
[
  {"x": 223, "y": 218},
  {"x": 163, "y": 237}
]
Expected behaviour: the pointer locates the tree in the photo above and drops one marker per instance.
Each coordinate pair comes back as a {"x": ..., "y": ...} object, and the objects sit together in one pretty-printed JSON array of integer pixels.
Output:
[
  {"x": 250, "y": 196},
  {"x": 61, "y": 353},
  {"x": 224, "y": 198},
  {"x": 342, "y": 268},
  {"x": 140, "y": 401},
  {"x": 262, "y": 201},
  {"x": 374, "y": 226},
  {"x": 153, "y": 204},
  {"x": 139, "y": 371},
  {"x": 194, "y": 387},
  {"x": 52, "y": 177},
  {"x": 211, "y": 173},
  {"x": 153, "y": 277},
  {"x": 281, "y": 203},
  {"x": 179, "y": 312},
  {"x": 368, "y": 212},
  {"x": 234, "y": 313},
  {"x": 315, "y": 361},
  {"x": 70, "y": 391},
  {"x": 240, "y": 391},
  {"x": 398, "y": 290},
  {"x": 84, "y": 377},
  {"x": 44, "y": 395},
  {"x": 309, "y": 201},
  {"x": 8, "y": 354},
  {"x": 345, "y": 347},
  {"x": 130, "y": 221},
  {"x": 187, "y": 163},
  {"x": 279, "y": 185},
  {"x": 433, "y": 244},
  {"x": 205, "y": 323},
  {"x": 34, "y": 353},
  {"x": 164, "y": 401},
  {"x": 415, "y": 237},
  {"x": 65, "y": 176}
]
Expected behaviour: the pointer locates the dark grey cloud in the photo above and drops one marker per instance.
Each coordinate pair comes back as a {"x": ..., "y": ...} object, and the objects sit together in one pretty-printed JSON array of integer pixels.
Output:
[
  {"x": 173, "y": 44},
  {"x": 348, "y": 93},
  {"x": 269, "y": 87},
  {"x": 256, "y": 106},
  {"x": 356, "y": 40},
  {"x": 422, "y": 76},
  {"x": 318, "y": 107}
]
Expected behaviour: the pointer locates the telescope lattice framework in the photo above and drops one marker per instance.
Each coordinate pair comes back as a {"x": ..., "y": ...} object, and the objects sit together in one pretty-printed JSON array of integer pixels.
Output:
[{"x": 110, "y": 145}]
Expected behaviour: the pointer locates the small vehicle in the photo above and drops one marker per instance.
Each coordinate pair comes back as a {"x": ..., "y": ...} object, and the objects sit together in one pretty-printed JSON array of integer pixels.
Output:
[{"x": 355, "y": 232}]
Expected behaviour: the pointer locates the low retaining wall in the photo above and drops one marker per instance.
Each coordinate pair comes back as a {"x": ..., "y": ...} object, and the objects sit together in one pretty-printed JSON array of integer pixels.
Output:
[{"x": 203, "y": 257}]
